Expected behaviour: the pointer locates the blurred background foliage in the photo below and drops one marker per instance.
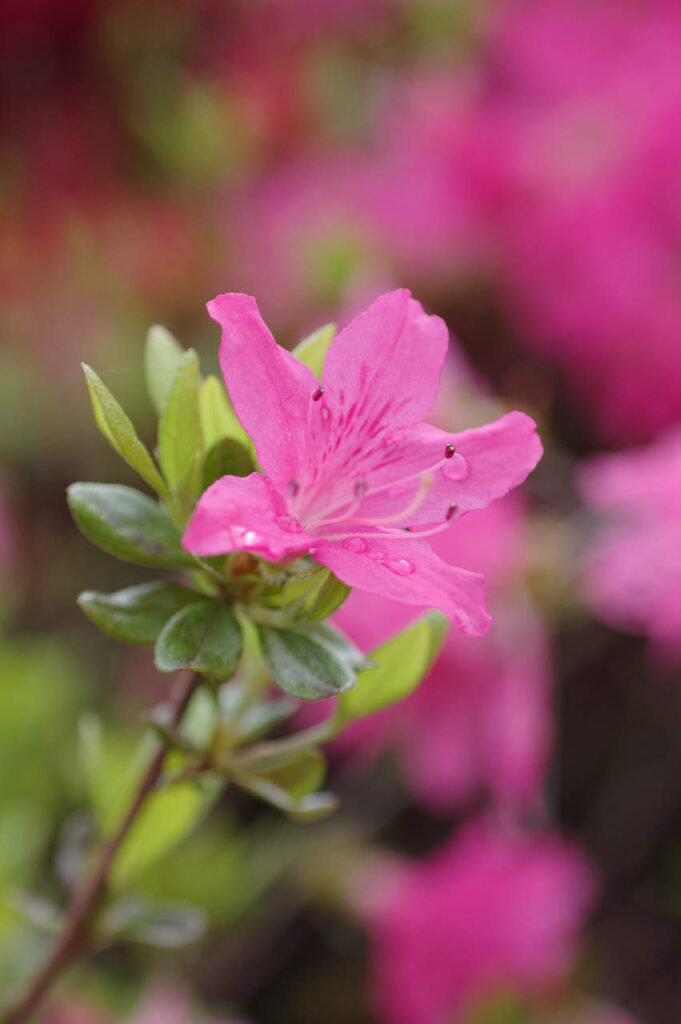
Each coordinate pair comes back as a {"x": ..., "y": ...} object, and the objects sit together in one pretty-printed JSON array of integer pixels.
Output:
[{"x": 516, "y": 165}]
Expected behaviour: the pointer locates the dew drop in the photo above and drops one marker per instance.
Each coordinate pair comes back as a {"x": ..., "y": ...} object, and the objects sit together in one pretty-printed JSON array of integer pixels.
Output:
[
  {"x": 288, "y": 524},
  {"x": 250, "y": 537},
  {"x": 400, "y": 566},
  {"x": 356, "y": 544},
  {"x": 377, "y": 556},
  {"x": 325, "y": 413}
]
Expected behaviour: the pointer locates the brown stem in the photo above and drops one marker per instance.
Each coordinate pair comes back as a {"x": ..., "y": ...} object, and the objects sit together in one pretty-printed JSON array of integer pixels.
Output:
[{"x": 74, "y": 939}]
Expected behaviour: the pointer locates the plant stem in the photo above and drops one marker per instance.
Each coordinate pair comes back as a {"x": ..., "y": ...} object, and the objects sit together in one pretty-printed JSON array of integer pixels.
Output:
[{"x": 74, "y": 939}]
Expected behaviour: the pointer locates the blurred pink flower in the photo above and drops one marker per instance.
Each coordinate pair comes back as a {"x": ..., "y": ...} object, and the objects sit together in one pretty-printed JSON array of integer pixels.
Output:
[
  {"x": 354, "y": 478},
  {"x": 482, "y": 717},
  {"x": 306, "y": 237},
  {"x": 486, "y": 914},
  {"x": 632, "y": 569},
  {"x": 581, "y": 118}
]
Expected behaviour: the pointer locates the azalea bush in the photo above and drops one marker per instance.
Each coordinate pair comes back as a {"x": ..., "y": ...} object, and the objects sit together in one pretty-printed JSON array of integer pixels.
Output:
[{"x": 349, "y": 484}]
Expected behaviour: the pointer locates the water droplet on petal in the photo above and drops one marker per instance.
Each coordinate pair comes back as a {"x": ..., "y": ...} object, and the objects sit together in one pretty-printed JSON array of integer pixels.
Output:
[
  {"x": 400, "y": 566},
  {"x": 325, "y": 413},
  {"x": 250, "y": 537},
  {"x": 377, "y": 556},
  {"x": 289, "y": 524},
  {"x": 356, "y": 544}
]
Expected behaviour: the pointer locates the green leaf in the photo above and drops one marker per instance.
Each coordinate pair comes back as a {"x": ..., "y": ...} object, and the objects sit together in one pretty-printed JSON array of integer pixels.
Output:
[
  {"x": 179, "y": 433},
  {"x": 167, "y": 817},
  {"x": 310, "y": 663},
  {"x": 162, "y": 357},
  {"x": 306, "y": 808},
  {"x": 127, "y": 524},
  {"x": 119, "y": 431},
  {"x": 112, "y": 770},
  {"x": 226, "y": 458},
  {"x": 218, "y": 418},
  {"x": 137, "y": 614},
  {"x": 312, "y": 596},
  {"x": 312, "y": 350},
  {"x": 204, "y": 637},
  {"x": 167, "y": 925},
  {"x": 399, "y": 666}
]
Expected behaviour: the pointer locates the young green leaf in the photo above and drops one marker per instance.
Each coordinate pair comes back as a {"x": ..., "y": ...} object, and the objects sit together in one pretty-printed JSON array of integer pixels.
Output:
[
  {"x": 312, "y": 350},
  {"x": 166, "y": 818},
  {"x": 218, "y": 418},
  {"x": 119, "y": 431},
  {"x": 127, "y": 524},
  {"x": 180, "y": 438},
  {"x": 309, "y": 663},
  {"x": 313, "y": 596},
  {"x": 399, "y": 666},
  {"x": 162, "y": 356},
  {"x": 226, "y": 458},
  {"x": 136, "y": 615},
  {"x": 204, "y": 637},
  {"x": 310, "y": 807},
  {"x": 166, "y": 925}
]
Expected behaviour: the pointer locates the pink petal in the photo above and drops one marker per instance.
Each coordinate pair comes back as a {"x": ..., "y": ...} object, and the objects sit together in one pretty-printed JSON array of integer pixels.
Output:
[
  {"x": 244, "y": 514},
  {"x": 409, "y": 571},
  {"x": 489, "y": 462},
  {"x": 269, "y": 388},
  {"x": 384, "y": 368}
]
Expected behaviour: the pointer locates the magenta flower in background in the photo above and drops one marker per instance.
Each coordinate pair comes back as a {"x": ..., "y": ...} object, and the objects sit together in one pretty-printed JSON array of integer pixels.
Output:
[
  {"x": 487, "y": 914},
  {"x": 354, "y": 478},
  {"x": 581, "y": 119},
  {"x": 482, "y": 717},
  {"x": 632, "y": 568}
]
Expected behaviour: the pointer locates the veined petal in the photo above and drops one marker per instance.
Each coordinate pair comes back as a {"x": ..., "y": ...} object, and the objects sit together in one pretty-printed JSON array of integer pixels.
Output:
[
  {"x": 499, "y": 455},
  {"x": 409, "y": 571},
  {"x": 244, "y": 514},
  {"x": 488, "y": 462},
  {"x": 381, "y": 376},
  {"x": 388, "y": 359},
  {"x": 269, "y": 388}
]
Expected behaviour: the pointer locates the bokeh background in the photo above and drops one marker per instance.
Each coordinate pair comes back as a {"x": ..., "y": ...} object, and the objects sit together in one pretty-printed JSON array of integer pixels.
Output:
[{"x": 509, "y": 848}]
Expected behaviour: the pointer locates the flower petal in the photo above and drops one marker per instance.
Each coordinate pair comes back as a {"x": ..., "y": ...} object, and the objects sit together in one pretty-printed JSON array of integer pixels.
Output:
[
  {"x": 269, "y": 388},
  {"x": 500, "y": 456},
  {"x": 244, "y": 514},
  {"x": 489, "y": 462},
  {"x": 409, "y": 571}
]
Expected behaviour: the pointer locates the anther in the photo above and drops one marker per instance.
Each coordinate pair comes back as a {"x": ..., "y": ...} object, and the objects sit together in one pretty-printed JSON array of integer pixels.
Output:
[
  {"x": 451, "y": 512},
  {"x": 450, "y": 451},
  {"x": 316, "y": 395}
]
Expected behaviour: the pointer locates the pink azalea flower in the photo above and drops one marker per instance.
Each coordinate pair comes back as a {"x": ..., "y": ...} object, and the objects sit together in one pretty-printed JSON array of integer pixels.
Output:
[
  {"x": 582, "y": 116},
  {"x": 632, "y": 569},
  {"x": 486, "y": 914},
  {"x": 354, "y": 478},
  {"x": 481, "y": 719}
]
